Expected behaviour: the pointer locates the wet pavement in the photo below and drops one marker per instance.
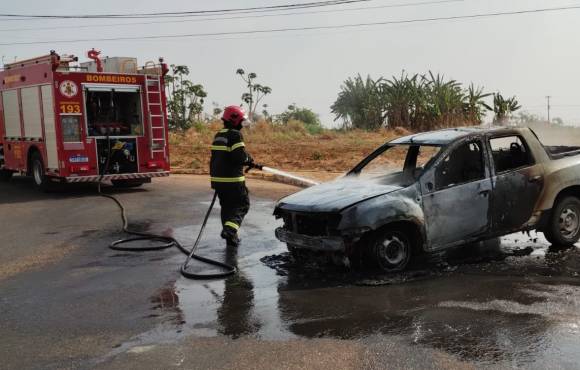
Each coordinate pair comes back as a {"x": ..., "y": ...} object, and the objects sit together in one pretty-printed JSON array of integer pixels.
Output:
[{"x": 69, "y": 302}]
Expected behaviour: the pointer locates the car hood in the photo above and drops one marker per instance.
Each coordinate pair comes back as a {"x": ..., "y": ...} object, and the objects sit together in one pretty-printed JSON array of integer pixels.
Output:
[{"x": 334, "y": 196}]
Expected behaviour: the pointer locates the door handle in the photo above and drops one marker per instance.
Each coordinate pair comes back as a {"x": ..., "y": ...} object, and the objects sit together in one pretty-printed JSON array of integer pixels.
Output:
[
  {"x": 484, "y": 193},
  {"x": 535, "y": 179}
]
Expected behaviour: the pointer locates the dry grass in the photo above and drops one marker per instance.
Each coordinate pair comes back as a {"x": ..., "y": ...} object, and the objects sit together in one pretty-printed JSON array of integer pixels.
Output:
[{"x": 288, "y": 147}]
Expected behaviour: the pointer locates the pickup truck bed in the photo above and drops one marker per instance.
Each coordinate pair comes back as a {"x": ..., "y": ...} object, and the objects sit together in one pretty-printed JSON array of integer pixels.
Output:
[{"x": 560, "y": 151}]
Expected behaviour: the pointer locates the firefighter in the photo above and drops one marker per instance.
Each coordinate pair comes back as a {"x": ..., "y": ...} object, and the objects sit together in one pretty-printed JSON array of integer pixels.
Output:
[{"x": 228, "y": 157}]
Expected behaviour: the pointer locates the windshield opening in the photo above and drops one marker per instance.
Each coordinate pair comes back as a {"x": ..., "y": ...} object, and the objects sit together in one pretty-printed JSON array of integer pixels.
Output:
[
  {"x": 399, "y": 164},
  {"x": 116, "y": 113}
]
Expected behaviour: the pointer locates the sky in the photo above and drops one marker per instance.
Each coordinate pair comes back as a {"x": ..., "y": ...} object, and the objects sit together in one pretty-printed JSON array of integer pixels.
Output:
[{"x": 530, "y": 56}]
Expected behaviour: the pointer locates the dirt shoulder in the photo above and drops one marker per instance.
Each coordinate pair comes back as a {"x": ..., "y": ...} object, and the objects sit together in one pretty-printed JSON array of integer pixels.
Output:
[{"x": 287, "y": 148}]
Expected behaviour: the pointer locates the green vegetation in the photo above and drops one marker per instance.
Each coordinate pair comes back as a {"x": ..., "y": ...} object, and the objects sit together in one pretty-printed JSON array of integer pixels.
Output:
[
  {"x": 185, "y": 99},
  {"x": 503, "y": 108},
  {"x": 359, "y": 104},
  {"x": 416, "y": 103},
  {"x": 306, "y": 116},
  {"x": 255, "y": 94},
  {"x": 410, "y": 102}
]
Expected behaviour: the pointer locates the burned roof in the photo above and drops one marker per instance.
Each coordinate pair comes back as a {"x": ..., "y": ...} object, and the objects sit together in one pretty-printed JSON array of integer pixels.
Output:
[{"x": 445, "y": 136}]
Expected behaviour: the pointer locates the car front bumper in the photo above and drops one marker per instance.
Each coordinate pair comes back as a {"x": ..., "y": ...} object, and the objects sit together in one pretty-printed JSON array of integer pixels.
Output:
[{"x": 313, "y": 243}]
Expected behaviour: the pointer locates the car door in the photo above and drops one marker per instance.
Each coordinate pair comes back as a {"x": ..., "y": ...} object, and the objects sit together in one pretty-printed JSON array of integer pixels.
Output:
[
  {"x": 456, "y": 195},
  {"x": 517, "y": 183}
]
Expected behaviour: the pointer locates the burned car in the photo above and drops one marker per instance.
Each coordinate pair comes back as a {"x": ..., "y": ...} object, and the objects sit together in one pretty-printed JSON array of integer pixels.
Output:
[{"x": 436, "y": 190}]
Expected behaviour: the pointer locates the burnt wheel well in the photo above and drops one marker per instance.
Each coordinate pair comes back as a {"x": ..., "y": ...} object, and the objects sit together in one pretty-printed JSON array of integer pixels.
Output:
[
  {"x": 573, "y": 191},
  {"x": 410, "y": 229}
]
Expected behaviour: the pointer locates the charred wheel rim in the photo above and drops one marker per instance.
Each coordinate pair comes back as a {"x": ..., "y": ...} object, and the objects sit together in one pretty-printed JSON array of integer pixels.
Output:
[
  {"x": 392, "y": 251},
  {"x": 37, "y": 172},
  {"x": 568, "y": 222}
]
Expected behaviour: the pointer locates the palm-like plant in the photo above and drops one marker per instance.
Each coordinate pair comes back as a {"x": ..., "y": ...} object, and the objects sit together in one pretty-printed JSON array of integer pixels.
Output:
[
  {"x": 474, "y": 105},
  {"x": 445, "y": 101},
  {"x": 400, "y": 99},
  {"x": 416, "y": 102},
  {"x": 358, "y": 104},
  {"x": 503, "y": 108}
]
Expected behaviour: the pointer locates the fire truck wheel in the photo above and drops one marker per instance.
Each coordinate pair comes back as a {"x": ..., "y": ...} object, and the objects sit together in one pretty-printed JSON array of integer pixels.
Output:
[
  {"x": 127, "y": 183},
  {"x": 37, "y": 171},
  {"x": 5, "y": 175}
]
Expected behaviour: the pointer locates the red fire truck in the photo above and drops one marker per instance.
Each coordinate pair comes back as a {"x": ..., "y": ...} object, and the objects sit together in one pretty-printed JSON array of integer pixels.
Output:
[{"x": 65, "y": 122}]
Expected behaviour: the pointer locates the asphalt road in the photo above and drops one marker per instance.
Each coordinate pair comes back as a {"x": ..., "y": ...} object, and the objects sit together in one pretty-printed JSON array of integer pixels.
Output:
[{"x": 67, "y": 301}]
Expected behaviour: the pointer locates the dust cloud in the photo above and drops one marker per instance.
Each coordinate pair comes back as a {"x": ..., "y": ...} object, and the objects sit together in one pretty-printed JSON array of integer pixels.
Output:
[{"x": 555, "y": 135}]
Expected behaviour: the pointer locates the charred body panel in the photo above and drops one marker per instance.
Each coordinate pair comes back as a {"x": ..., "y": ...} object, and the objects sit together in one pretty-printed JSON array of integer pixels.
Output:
[
  {"x": 514, "y": 198},
  {"x": 341, "y": 231},
  {"x": 402, "y": 205},
  {"x": 473, "y": 189},
  {"x": 457, "y": 212},
  {"x": 334, "y": 196},
  {"x": 314, "y": 243}
]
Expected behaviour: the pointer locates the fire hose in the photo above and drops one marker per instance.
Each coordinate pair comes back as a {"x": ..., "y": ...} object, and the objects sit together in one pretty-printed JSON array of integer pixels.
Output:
[
  {"x": 165, "y": 241},
  {"x": 169, "y": 242}
]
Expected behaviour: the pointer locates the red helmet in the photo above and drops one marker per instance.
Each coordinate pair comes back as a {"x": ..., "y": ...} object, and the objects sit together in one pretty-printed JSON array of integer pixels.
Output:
[{"x": 234, "y": 114}]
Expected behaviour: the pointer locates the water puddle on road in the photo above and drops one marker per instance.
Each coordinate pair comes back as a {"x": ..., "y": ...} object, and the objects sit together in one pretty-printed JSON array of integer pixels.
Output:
[{"x": 513, "y": 302}]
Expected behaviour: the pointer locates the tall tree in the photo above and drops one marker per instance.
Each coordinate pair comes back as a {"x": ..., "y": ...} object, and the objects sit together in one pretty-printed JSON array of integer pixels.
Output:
[
  {"x": 185, "y": 100},
  {"x": 256, "y": 92},
  {"x": 217, "y": 110}
]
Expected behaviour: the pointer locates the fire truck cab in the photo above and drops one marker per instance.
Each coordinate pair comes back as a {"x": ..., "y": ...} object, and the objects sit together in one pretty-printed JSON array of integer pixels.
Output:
[{"x": 65, "y": 122}]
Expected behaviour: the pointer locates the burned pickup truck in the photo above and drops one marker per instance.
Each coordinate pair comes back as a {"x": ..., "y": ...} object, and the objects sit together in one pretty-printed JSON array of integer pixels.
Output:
[{"x": 437, "y": 190}]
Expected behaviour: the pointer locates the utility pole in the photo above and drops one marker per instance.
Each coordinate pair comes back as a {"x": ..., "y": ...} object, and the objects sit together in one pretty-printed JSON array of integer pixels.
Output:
[{"x": 548, "y": 99}]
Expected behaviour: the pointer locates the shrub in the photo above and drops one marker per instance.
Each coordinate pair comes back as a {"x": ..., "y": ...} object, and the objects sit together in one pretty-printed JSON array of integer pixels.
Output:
[
  {"x": 296, "y": 126},
  {"x": 317, "y": 156}
]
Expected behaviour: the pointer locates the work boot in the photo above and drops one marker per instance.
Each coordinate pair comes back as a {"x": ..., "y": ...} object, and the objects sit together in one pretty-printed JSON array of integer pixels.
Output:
[{"x": 232, "y": 240}]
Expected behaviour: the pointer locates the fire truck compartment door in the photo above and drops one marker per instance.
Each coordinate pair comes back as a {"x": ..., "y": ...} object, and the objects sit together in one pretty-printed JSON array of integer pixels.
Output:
[
  {"x": 31, "y": 112},
  {"x": 49, "y": 127},
  {"x": 11, "y": 113}
]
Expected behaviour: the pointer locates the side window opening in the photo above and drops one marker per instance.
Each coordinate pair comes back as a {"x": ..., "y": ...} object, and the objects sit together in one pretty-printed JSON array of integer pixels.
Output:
[
  {"x": 464, "y": 164},
  {"x": 509, "y": 153}
]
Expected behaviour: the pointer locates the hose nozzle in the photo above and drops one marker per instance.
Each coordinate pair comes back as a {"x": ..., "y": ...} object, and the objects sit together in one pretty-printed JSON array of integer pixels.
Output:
[{"x": 254, "y": 166}]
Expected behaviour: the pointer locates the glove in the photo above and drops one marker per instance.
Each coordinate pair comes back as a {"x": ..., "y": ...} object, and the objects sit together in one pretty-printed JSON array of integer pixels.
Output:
[
  {"x": 250, "y": 160},
  {"x": 254, "y": 165}
]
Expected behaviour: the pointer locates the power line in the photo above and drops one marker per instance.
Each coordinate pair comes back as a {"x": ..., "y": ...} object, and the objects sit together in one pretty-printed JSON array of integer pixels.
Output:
[
  {"x": 192, "y": 12},
  {"x": 566, "y": 105},
  {"x": 237, "y": 17},
  {"x": 280, "y": 30}
]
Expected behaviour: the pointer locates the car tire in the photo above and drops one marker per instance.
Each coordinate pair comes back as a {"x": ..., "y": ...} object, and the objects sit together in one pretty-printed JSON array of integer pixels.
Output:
[
  {"x": 37, "y": 170},
  {"x": 390, "y": 250},
  {"x": 5, "y": 175},
  {"x": 563, "y": 229},
  {"x": 126, "y": 184}
]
